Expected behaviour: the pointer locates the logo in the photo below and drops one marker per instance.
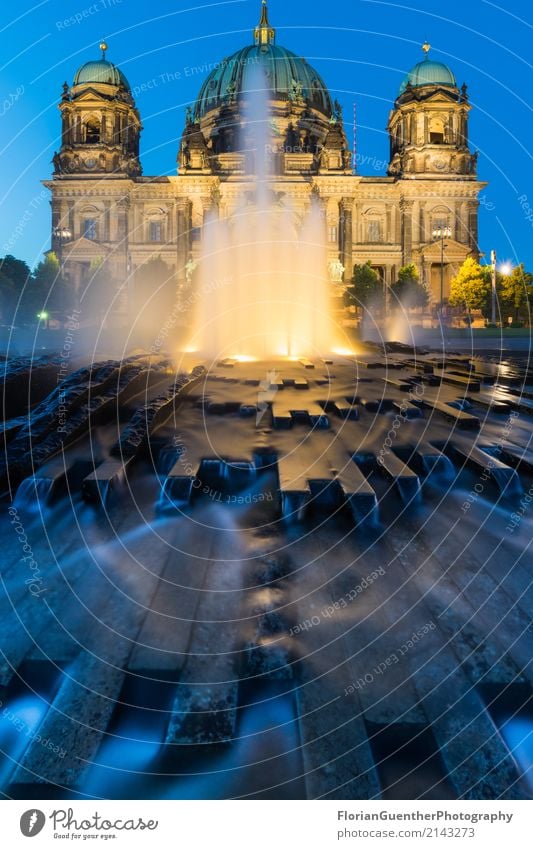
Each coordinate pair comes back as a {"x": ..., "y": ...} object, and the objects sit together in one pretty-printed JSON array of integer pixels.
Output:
[
  {"x": 268, "y": 390},
  {"x": 32, "y": 822}
]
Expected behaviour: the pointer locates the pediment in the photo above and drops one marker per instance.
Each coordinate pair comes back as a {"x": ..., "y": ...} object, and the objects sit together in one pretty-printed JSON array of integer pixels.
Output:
[
  {"x": 84, "y": 246},
  {"x": 90, "y": 94},
  {"x": 453, "y": 249}
]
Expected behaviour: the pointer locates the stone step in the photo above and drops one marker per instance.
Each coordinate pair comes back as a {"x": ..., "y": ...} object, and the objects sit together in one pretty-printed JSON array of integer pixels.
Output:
[
  {"x": 458, "y": 417},
  {"x": 427, "y": 460},
  {"x": 355, "y": 487},
  {"x": 299, "y": 484},
  {"x": 520, "y": 458},
  {"x": 470, "y": 384},
  {"x": 401, "y": 385},
  {"x": 405, "y": 481},
  {"x": 110, "y": 476},
  {"x": 340, "y": 408},
  {"x": 377, "y": 405},
  {"x": 407, "y": 410},
  {"x": 486, "y": 465}
]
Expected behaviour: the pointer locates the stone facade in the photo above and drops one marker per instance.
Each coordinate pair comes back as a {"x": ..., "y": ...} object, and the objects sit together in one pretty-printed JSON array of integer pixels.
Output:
[{"x": 103, "y": 208}]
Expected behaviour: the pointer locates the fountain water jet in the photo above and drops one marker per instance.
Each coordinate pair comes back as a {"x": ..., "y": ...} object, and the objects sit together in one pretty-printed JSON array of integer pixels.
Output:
[{"x": 273, "y": 298}]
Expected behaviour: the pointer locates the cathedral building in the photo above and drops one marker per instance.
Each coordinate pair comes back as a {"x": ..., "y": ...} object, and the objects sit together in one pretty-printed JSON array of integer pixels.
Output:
[{"x": 425, "y": 211}]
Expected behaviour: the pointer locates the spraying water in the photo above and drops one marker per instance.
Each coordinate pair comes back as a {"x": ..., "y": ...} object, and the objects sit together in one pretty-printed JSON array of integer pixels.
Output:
[{"x": 272, "y": 293}]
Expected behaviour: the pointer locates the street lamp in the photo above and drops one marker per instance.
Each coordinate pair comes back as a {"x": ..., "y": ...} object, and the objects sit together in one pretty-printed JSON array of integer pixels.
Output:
[
  {"x": 493, "y": 260},
  {"x": 442, "y": 233},
  {"x": 43, "y": 316},
  {"x": 64, "y": 234}
]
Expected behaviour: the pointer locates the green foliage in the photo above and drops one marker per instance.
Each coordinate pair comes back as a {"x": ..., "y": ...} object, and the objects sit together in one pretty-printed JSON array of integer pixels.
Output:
[
  {"x": 15, "y": 270},
  {"x": 366, "y": 289},
  {"x": 471, "y": 287},
  {"x": 155, "y": 289},
  {"x": 50, "y": 291},
  {"x": 408, "y": 290},
  {"x": 515, "y": 293},
  {"x": 15, "y": 278}
]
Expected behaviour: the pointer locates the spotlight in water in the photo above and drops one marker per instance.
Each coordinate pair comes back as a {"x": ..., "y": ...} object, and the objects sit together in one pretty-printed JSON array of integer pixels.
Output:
[
  {"x": 244, "y": 358},
  {"x": 343, "y": 352}
]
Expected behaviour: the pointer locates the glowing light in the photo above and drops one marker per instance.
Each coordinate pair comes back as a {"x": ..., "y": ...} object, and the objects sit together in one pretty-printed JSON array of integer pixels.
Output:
[
  {"x": 42, "y": 315},
  {"x": 244, "y": 358},
  {"x": 506, "y": 268},
  {"x": 344, "y": 352}
]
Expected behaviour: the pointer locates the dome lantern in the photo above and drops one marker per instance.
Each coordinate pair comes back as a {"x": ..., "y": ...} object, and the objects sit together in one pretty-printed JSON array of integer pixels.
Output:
[{"x": 264, "y": 34}]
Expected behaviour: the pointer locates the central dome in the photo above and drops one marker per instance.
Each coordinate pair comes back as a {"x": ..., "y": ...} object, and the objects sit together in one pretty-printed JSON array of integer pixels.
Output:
[{"x": 284, "y": 73}]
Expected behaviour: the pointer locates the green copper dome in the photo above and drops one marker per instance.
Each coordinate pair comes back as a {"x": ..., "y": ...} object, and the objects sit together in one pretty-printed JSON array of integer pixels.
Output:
[
  {"x": 286, "y": 75},
  {"x": 101, "y": 71},
  {"x": 429, "y": 72}
]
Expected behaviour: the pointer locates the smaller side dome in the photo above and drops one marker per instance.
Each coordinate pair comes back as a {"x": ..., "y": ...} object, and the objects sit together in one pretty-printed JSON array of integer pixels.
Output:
[
  {"x": 101, "y": 71},
  {"x": 428, "y": 72}
]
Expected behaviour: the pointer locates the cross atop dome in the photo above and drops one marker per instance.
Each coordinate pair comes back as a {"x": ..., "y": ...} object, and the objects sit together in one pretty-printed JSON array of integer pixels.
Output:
[
  {"x": 426, "y": 47},
  {"x": 264, "y": 34}
]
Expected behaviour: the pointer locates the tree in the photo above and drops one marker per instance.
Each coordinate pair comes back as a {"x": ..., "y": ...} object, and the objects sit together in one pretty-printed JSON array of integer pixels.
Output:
[
  {"x": 51, "y": 291},
  {"x": 408, "y": 290},
  {"x": 97, "y": 297},
  {"x": 514, "y": 292},
  {"x": 15, "y": 278},
  {"x": 471, "y": 287},
  {"x": 7, "y": 299},
  {"x": 366, "y": 289},
  {"x": 155, "y": 297}
]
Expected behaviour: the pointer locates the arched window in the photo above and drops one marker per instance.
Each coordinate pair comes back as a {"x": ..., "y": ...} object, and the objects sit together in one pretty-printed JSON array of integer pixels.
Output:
[
  {"x": 92, "y": 131},
  {"x": 436, "y": 131},
  {"x": 156, "y": 225},
  {"x": 373, "y": 226},
  {"x": 441, "y": 220}
]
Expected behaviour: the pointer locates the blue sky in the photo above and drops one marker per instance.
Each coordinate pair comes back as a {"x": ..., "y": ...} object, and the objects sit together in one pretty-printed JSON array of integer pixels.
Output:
[{"x": 362, "y": 48}]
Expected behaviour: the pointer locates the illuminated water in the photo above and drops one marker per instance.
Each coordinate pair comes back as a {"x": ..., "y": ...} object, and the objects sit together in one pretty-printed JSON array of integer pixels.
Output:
[{"x": 263, "y": 288}]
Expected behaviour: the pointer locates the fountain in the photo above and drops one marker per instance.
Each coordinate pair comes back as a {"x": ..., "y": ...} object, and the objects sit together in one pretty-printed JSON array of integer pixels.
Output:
[{"x": 274, "y": 300}]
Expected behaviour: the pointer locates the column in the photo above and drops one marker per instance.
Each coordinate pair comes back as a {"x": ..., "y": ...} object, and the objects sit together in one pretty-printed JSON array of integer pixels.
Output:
[
  {"x": 183, "y": 236},
  {"x": 406, "y": 211},
  {"x": 346, "y": 215}
]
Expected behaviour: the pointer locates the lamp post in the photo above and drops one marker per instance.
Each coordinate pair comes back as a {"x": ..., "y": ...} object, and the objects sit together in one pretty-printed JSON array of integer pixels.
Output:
[
  {"x": 63, "y": 235},
  {"x": 493, "y": 260},
  {"x": 442, "y": 233}
]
